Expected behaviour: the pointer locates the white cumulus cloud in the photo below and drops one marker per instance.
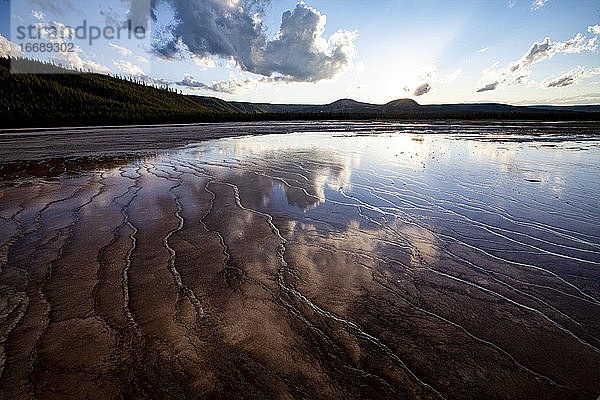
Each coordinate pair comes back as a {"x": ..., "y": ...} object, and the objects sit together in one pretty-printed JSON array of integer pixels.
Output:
[
  {"x": 122, "y": 50},
  {"x": 233, "y": 85},
  {"x": 299, "y": 52},
  {"x": 8, "y": 48},
  {"x": 518, "y": 71},
  {"x": 128, "y": 68}
]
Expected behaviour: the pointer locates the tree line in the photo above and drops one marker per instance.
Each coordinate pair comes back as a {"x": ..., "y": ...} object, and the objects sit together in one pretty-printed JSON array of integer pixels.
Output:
[{"x": 60, "y": 97}]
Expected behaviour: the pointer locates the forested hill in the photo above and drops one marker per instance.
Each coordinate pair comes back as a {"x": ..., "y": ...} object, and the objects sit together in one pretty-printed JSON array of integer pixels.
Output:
[
  {"x": 60, "y": 97},
  {"x": 86, "y": 98}
]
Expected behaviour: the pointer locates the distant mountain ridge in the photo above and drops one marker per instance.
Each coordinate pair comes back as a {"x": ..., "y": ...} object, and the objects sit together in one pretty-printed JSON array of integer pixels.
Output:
[
  {"x": 60, "y": 97},
  {"x": 391, "y": 108}
]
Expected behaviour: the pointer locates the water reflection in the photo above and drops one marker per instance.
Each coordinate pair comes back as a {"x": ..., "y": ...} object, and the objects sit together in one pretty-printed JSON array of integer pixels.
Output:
[
  {"x": 305, "y": 166},
  {"x": 418, "y": 265}
]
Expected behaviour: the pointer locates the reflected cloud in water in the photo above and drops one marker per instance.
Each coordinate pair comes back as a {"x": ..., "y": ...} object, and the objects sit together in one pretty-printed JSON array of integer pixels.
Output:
[{"x": 308, "y": 262}]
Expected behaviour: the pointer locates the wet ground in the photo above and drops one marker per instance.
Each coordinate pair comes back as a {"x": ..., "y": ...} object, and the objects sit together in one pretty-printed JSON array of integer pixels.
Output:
[{"x": 346, "y": 260}]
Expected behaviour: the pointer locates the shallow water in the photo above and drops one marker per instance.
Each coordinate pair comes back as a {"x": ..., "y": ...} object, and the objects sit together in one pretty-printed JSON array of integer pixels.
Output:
[{"x": 363, "y": 260}]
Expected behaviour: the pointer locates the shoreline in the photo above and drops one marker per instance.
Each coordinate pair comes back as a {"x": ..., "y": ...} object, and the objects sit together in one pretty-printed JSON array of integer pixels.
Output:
[
  {"x": 302, "y": 118},
  {"x": 29, "y": 144}
]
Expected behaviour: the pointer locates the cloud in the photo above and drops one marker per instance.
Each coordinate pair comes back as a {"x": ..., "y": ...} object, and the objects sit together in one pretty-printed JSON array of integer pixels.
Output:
[
  {"x": 571, "y": 77},
  {"x": 518, "y": 71},
  {"x": 233, "y": 85},
  {"x": 566, "y": 80},
  {"x": 423, "y": 81},
  {"x": 512, "y": 3},
  {"x": 128, "y": 68},
  {"x": 56, "y": 32},
  {"x": 38, "y": 15},
  {"x": 74, "y": 61},
  {"x": 204, "y": 62},
  {"x": 594, "y": 29},
  {"x": 233, "y": 29},
  {"x": 122, "y": 50},
  {"x": 428, "y": 77},
  {"x": 483, "y": 50},
  {"x": 538, "y": 4},
  {"x": 548, "y": 49},
  {"x": 8, "y": 48},
  {"x": 422, "y": 89},
  {"x": 489, "y": 86},
  {"x": 300, "y": 51}
]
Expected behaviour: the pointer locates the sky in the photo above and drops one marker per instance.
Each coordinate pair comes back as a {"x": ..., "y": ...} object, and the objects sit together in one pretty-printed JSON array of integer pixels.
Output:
[{"x": 317, "y": 51}]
